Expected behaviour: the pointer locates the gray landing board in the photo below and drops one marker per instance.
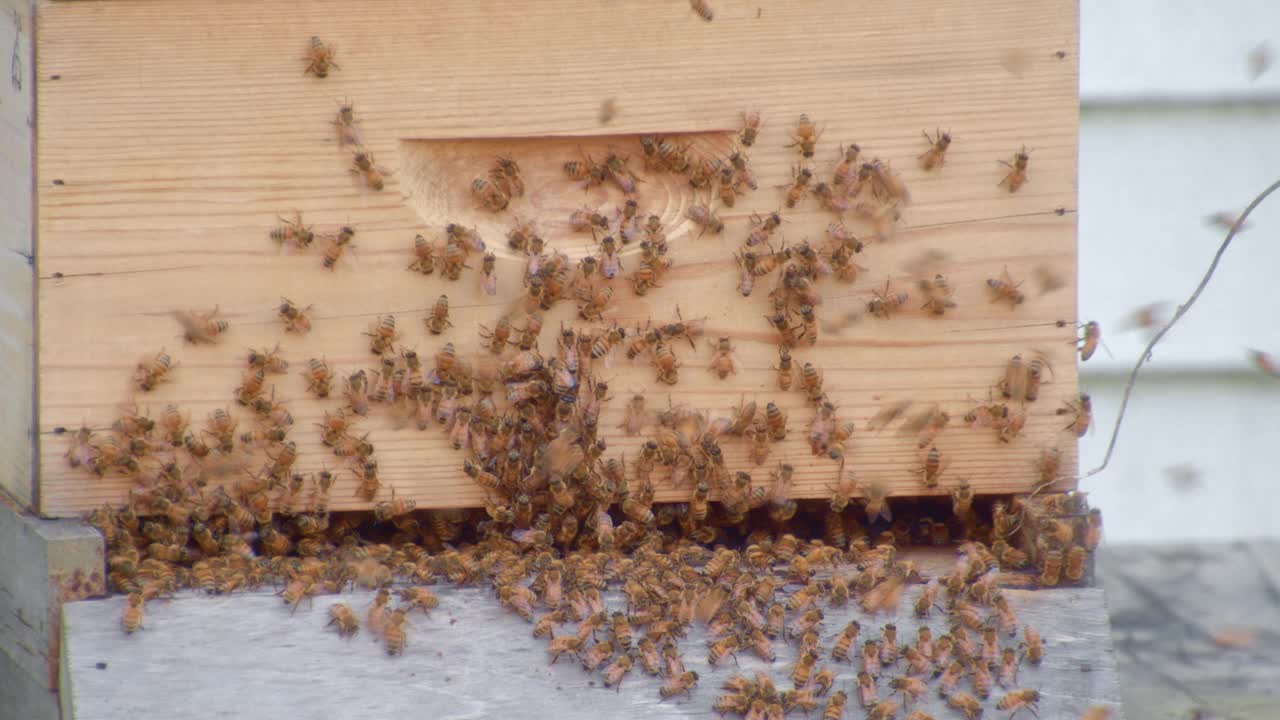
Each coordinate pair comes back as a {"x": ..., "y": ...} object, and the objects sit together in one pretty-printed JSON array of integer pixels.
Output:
[
  {"x": 1170, "y": 608},
  {"x": 245, "y": 657}
]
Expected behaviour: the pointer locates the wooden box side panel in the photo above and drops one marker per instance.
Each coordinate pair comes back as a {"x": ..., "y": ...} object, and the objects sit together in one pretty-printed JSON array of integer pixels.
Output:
[
  {"x": 175, "y": 166},
  {"x": 17, "y": 254}
]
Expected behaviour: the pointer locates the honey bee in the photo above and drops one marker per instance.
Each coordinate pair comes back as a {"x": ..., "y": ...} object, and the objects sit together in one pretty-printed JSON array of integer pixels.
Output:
[
  {"x": 489, "y": 195},
  {"x": 319, "y": 58},
  {"x": 497, "y": 339},
  {"x": 337, "y": 247},
  {"x": 636, "y": 416},
  {"x": 341, "y": 615},
  {"x": 394, "y": 634},
  {"x": 1083, "y": 410},
  {"x": 775, "y": 422},
  {"x": 507, "y": 176},
  {"x": 845, "y": 172},
  {"x": 805, "y": 137},
  {"x": 488, "y": 275},
  {"x": 1092, "y": 535},
  {"x": 911, "y": 688},
  {"x": 1018, "y": 699},
  {"x": 251, "y": 385},
  {"x": 1017, "y": 174},
  {"x": 705, "y": 218},
  {"x": 686, "y": 681},
  {"x": 1047, "y": 466},
  {"x": 1051, "y": 571},
  {"x": 784, "y": 375},
  {"x": 1091, "y": 335},
  {"x": 866, "y": 684},
  {"x": 133, "y": 616},
  {"x": 936, "y": 155},
  {"x": 881, "y": 217},
  {"x": 586, "y": 171},
  {"x": 201, "y": 327},
  {"x": 801, "y": 176},
  {"x": 937, "y": 293},
  {"x": 616, "y": 170},
  {"x": 364, "y": 165},
  {"x": 438, "y": 320},
  {"x": 153, "y": 371},
  {"x": 586, "y": 219},
  {"x": 1004, "y": 289},
  {"x": 835, "y": 707},
  {"x": 293, "y": 232},
  {"x": 319, "y": 378},
  {"x": 884, "y": 304},
  {"x": 724, "y": 362},
  {"x": 424, "y": 256},
  {"x": 1074, "y": 564},
  {"x": 295, "y": 319},
  {"x": 666, "y": 363},
  {"x": 884, "y": 710},
  {"x": 966, "y": 704}
]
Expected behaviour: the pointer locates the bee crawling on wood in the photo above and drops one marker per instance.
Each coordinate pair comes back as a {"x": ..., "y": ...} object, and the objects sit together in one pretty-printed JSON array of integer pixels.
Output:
[
  {"x": 805, "y": 137},
  {"x": 724, "y": 362},
  {"x": 489, "y": 195},
  {"x": 201, "y": 327},
  {"x": 293, "y": 232},
  {"x": 363, "y": 164},
  {"x": 1004, "y": 289},
  {"x": 799, "y": 187},
  {"x": 507, "y": 176},
  {"x": 937, "y": 293},
  {"x": 337, "y": 247},
  {"x": 884, "y": 304},
  {"x": 705, "y": 218},
  {"x": 153, "y": 371},
  {"x": 345, "y": 122},
  {"x": 751, "y": 123},
  {"x": 1082, "y": 410},
  {"x": 438, "y": 320},
  {"x": 1017, "y": 174},
  {"x": 319, "y": 58},
  {"x": 936, "y": 155}
]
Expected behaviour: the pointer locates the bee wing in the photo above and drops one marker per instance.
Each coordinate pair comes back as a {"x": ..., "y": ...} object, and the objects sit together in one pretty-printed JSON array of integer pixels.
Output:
[
  {"x": 735, "y": 363},
  {"x": 194, "y": 326}
]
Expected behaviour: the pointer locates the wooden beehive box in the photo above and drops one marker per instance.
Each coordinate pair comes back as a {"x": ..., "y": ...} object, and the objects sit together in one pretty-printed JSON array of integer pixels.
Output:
[{"x": 171, "y": 135}]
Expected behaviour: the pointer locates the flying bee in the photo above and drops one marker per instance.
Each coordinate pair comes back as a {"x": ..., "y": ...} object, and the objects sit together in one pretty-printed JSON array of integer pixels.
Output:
[
  {"x": 1017, "y": 174},
  {"x": 319, "y": 58},
  {"x": 424, "y": 256},
  {"x": 936, "y": 155},
  {"x": 881, "y": 217},
  {"x": 293, "y": 232},
  {"x": 751, "y": 123},
  {"x": 724, "y": 361},
  {"x": 705, "y": 218},
  {"x": 884, "y": 304},
  {"x": 507, "y": 176},
  {"x": 937, "y": 293},
  {"x": 153, "y": 371},
  {"x": 801, "y": 176},
  {"x": 489, "y": 195},
  {"x": 805, "y": 137},
  {"x": 438, "y": 320},
  {"x": 382, "y": 335},
  {"x": 337, "y": 247},
  {"x": 295, "y": 319},
  {"x": 364, "y": 165},
  {"x": 1004, "y": 289}
]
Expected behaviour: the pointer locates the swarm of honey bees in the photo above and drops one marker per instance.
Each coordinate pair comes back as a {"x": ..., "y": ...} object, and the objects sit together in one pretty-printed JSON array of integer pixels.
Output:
[{"x": 219, "y": 504}]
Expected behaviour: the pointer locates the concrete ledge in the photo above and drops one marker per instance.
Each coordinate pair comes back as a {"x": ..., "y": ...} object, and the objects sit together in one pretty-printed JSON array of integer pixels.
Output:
[{"x": 43, "y": 563}]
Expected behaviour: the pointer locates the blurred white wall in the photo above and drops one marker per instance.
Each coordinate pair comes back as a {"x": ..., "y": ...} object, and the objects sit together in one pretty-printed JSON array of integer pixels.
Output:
[{"x": 1172, "y": 128}]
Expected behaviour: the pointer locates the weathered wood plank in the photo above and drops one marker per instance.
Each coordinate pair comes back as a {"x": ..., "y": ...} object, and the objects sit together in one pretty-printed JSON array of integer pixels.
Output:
[
  {"x": 1196, "y": 627},
  {"x": 471, "y": 658},
  {"x": 17, "y": 253},
  {"x": 167, "y": 198}
]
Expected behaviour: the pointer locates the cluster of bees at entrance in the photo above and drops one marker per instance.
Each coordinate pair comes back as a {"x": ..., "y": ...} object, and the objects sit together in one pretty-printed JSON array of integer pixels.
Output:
[{"x": 566, "y": 527}]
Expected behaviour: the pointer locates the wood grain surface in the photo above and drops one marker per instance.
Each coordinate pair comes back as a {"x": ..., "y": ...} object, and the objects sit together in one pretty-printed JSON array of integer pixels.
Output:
[
  {"x": 17, "y": 254},
  {"x": 180, "y": 130},
  {"x": 473, "y": 658}
]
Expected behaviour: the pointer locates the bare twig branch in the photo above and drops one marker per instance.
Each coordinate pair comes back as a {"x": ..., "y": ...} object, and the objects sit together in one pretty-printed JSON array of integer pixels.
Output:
[{"x": 1182, "y": 310}]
